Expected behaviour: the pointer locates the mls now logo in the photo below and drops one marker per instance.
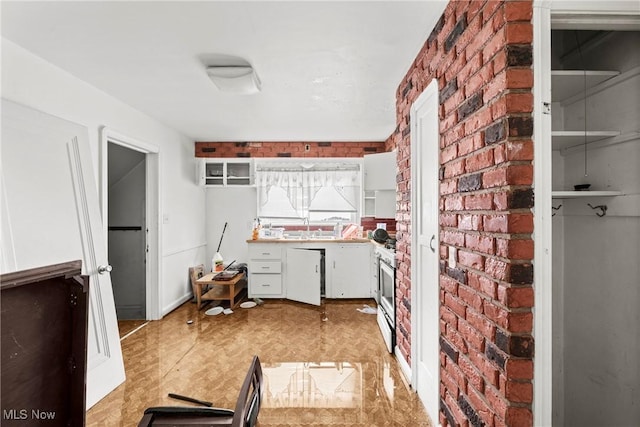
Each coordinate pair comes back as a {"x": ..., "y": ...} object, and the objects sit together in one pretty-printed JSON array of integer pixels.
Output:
[{"x": 24, "y": 414}]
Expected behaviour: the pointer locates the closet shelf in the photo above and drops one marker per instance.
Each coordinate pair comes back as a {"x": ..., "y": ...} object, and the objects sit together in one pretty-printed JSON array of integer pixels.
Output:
[
  {"x": 567, "y": 83},
  {"x": 562, "y": 139},
  {"x": 583, "y": 194}
]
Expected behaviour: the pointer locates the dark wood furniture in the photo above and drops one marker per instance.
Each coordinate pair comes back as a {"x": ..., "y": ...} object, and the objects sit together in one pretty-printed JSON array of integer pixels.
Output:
[
  {"x": 244, "y": 415},
  {"x": 44, "y": 346}
]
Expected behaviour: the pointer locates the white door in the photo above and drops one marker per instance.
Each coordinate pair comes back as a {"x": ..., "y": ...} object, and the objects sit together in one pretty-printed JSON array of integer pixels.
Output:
[
  {"x": 424, "y": 265},
  {"x": 303, "y": 275},
  {"x": 51, "y": 202},
  {"x": 350, "y": 267}
]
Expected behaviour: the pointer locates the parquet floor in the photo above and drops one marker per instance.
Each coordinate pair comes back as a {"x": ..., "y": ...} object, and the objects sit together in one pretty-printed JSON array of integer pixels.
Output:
[{"x": 317, "y": 373}]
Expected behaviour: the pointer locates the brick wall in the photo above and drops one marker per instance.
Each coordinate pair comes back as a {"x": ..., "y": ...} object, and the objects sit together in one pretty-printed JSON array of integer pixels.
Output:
[
  {"x": 288, "y": 149},
  {"x": 480, "y": 52}
]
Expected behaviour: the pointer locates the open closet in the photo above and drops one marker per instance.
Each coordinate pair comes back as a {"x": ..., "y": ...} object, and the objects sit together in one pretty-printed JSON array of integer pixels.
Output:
[{"x": 595, "y": 117}]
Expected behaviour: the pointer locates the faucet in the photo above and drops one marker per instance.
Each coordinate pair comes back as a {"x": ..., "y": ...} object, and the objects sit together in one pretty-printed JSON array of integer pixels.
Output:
[{"x": 305, "y": 220}]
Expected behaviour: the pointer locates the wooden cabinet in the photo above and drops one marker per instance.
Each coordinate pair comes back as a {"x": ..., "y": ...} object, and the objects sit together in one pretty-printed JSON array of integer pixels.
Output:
[
  {"x": 304, "y": 275},
  {"x": 265, "y": 271},
  {"x": 225, "y": 172},
  {"x": 349, "y": 268}
]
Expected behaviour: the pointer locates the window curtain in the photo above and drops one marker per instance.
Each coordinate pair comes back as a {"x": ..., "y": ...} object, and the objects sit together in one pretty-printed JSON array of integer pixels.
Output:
[{"x": 303, "y": 183}]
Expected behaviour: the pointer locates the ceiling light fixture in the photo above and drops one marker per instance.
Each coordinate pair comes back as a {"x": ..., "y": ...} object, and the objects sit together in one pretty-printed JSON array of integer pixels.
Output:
[{"x": 241, "y": 79}]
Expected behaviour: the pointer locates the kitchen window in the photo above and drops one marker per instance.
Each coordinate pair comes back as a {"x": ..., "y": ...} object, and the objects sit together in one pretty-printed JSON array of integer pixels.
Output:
[{"x": 321, "y": 192}]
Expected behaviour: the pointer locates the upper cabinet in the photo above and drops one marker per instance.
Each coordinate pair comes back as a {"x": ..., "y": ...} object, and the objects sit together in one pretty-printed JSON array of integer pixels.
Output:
[
  {"x": 225, "y": 172},
  {"x": 380, "y": 171}
]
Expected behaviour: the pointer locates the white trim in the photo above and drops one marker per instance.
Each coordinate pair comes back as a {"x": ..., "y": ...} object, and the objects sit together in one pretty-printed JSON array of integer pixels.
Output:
[
  {"x": 404, "y": 365},
  {"x": 177, "y": 303},
  {"x": 153, "y": 210},
  {"x": 429, "y": 95},
  {"x": 543, "y": 309}
]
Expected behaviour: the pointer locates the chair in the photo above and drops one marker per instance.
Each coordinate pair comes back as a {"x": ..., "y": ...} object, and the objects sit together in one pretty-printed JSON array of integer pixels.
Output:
[
  {"x": 194, "y": 274},
  {"x": 244, "y": 415}
]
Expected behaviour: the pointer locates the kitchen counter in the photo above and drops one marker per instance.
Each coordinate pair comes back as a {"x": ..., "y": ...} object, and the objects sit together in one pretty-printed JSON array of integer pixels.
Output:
[{"x": 316, "y": 240}]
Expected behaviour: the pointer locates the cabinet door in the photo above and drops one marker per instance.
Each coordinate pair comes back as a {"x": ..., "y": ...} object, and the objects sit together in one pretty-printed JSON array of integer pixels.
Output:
[
  {"x": 350, "y": 271},
  {"x": 380, "y": 171},
  {"x": 303, "y": 275}
]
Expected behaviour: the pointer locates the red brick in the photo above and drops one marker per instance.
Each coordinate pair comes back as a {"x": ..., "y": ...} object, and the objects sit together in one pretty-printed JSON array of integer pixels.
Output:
[
  {"x": 454, "y": 303},
  {"x": 457, "y": 340},
  {"x": 517, "y": 416},
  {"x": 519, "y": 369},
  {"x": 482, "y": 324},
  {"x": 448, "y": 219},
  {"x": 519, "y": 150},
  {"x": 481, "y": 160},
  {"x": 496, "y": 314},
  {"x": 521, "y": 223},
  {"x": 458, "y": 415},
  {"x": 501, "y": 201},
  {"x": 478, "y": 202},
  {"x": 519, "y": 102},
  {"x": 448, "y": 153},
  {"x": 483, "y": 410},
  {"x": 496, "y": 402},
  {"x": 494, "y": 45},
  {"x": 520, "y": 174},
  {"x": 519, "y": 32},
  {"x": 480, "y": 243},
  {"x": 489, "y": 371},
  {"x": 470, "y": 222},
  {"x": 496, "y": 268},
  {"x": 520, "y": 322},
  {"x": 519, "y": 78},
  {"x": 474, "y": 339},
  {"x": 471, "y": 259},
  {"x": 496, "y": 223},
  {"x": 454, "y": 203},
  {"x": 448, "y": 187},
  {"x": 449, "y": 382},
  {"x": 469, "y": 144},
  {"x": 516, "y": 296},
  {"x": 449, "y": 317},
  {"x": 474, "y": 377},
  {"x": 499, "y": 154},
  {"x": 515, "y": 249},
  {"x": 495, "y": 86},
  {"x": 455, "y": 238},
  {"x": 471, "y": 297},
  {"x": 494, "y": 178},
  {"x": 518, "y": 10},
  {"x": 478, "y": 120},
  {"x": 454, "y": 168}
]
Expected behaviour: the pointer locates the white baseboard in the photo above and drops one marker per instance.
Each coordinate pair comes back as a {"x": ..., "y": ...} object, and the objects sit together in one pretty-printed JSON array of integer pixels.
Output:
[
  {"x": 404, "y": 366},
  {"x": 177, "y": 303}
]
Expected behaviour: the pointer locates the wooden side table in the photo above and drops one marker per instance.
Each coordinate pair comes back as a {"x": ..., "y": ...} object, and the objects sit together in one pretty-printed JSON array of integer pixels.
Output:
[{"x": 223, "y": 290}]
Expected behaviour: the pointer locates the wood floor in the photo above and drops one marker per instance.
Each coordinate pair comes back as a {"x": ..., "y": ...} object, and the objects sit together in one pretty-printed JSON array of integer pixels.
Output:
[{"x": 317, "y": 373}]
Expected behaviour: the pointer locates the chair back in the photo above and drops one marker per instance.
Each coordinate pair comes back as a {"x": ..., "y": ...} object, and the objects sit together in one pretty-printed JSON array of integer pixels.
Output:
[
  {"x": 250, "y": 397},
  {"x": 194, "y": 274}
]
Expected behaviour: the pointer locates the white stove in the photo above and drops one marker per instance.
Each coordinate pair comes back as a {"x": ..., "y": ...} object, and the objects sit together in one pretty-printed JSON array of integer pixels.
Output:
[{"x": 386, "y": 264}]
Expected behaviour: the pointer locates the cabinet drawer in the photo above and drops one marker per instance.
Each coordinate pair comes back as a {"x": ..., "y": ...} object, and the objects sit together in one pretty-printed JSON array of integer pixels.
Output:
[
  {"x": 258, "y": 267},
  {"x": 272, "y": 251},
  {"x": 265, "y": 284}
]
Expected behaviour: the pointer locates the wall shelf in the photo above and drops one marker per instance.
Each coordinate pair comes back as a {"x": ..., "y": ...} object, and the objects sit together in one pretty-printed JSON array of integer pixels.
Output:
[
  {"x": 562, "y": 139},
  {"x": 583, "y": 194}
]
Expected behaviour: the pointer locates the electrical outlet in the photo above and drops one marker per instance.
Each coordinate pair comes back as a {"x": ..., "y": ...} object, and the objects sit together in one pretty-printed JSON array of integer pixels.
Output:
[{"x": 307, "y": 147}]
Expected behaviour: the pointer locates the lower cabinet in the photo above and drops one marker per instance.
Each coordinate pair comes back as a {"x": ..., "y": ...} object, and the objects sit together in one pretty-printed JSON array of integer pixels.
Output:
[
  {"x": 265, "y": 271},
  {"x": 349, "y": 267},
  {"x": 307, "y": 271}
]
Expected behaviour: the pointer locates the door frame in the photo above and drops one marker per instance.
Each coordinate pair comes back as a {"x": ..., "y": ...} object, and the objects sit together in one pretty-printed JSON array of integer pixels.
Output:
[
  {"x": 428, "y": 95},
  {"x": 549, "y": 14},
  {"x": 152, "y": 210}
]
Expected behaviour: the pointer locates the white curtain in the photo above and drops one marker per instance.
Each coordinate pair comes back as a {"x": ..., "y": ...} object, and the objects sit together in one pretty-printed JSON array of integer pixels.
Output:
[{"x": 303, "y": 183}]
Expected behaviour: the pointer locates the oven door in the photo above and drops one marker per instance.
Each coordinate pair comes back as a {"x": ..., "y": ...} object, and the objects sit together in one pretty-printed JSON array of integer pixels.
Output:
[{"x": 387, "y": 290}]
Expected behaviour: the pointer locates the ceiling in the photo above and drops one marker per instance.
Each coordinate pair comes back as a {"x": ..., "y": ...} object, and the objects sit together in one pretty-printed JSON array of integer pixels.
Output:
[{"x": 329, "y": 70}]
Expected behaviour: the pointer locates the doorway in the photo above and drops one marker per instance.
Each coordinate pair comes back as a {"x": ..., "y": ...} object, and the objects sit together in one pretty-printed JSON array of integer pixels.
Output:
[
  {"x": 126, "y": 221},
  {"x": 587, "y": 299},
  {"x": 133, "y": 222},
  {"x": 425, "y": 299}
]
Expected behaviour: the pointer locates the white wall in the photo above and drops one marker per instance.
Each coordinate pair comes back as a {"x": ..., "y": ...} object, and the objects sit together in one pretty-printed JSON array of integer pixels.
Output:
[
  {"x": 29, "y": 80},
  {"x": 238, "y": 207}
]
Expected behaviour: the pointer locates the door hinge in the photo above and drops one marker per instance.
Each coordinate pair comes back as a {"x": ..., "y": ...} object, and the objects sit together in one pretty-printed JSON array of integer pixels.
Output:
[
  {"x": 546, "y": 108},
  {"x": 73, "y": 301}
]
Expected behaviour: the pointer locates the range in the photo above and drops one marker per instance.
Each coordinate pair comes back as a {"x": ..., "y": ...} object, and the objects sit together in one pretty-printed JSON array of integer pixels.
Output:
[{"x": 386, "y": 265}]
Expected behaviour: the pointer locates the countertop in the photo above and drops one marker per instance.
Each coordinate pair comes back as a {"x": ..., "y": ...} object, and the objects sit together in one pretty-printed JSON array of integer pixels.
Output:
[{"x": 317, "y": 240}]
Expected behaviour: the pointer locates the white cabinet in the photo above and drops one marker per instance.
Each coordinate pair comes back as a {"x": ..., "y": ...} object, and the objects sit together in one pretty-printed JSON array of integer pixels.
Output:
[
  {"x": 225, "y": 172},
  {"x": 380, "y": 171},
  {"x": 349, "y": 270},
  {"x": 265, "y": 271},
  {"x": 303, "y": 275}
]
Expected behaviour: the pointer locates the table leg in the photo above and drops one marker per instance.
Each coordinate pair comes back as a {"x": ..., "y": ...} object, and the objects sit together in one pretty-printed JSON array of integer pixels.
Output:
[
  {"x": 232, "y": 295},
  {"x": 198, "y": 295}
]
